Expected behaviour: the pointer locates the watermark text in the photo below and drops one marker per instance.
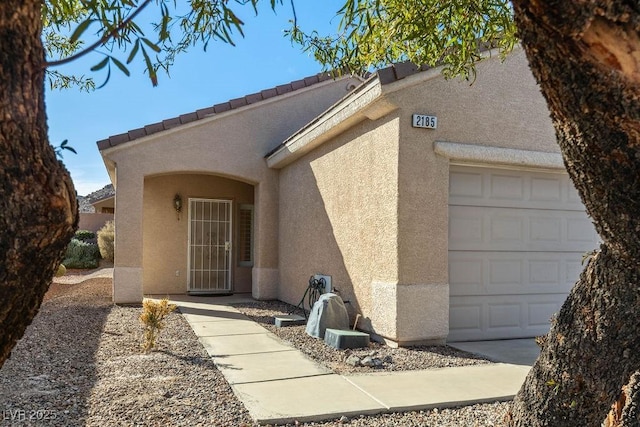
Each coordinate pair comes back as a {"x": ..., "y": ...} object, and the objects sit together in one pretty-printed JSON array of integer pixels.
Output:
[{"x": 23, "y": 415}]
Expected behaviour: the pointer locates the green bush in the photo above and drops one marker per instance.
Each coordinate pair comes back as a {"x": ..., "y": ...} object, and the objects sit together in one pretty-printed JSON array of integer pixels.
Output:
[
  {"x": 85, "y": 236},
  {"x": 81, "y": 255},
  {"x": 106, "y": 236}
]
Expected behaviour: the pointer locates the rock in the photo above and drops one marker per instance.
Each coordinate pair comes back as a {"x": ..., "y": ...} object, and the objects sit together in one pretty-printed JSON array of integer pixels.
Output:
[
  {"x": 353, "y": 360},
  {"x": 387, "y": 359},
  {"x": 368, "y": 361},
  {"x": 372, "y": 362},
  {"x": 343, "y": 419}
]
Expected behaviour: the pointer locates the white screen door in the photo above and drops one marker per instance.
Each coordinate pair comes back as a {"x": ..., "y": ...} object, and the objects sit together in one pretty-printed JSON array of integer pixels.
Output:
[{"x": 209, "y": 246}]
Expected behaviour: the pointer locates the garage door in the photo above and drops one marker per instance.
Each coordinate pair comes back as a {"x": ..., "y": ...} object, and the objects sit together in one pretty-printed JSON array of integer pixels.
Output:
[{"x": 516, "y": 241}]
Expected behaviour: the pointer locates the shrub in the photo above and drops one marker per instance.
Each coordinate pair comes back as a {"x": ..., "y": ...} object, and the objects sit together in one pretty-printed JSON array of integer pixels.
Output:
[
  {"x": 81, "y": 255},
  {"x": 61, "y": 271},
  {"x": 85, "y": 236},
  {"x": 152, "y": 317},
  {"x": 106, "y": 237}
]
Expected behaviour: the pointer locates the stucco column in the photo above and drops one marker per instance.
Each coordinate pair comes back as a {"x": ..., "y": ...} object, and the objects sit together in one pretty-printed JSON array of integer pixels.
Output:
[
  {"x": 422, "y": 291},
  {"x": 265, "y": 275},
  {"x": 127, "y": 274}
]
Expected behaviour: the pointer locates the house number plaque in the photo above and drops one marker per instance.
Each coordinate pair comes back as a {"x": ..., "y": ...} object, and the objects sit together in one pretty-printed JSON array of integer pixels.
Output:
[{"x": 424, "y": 121}]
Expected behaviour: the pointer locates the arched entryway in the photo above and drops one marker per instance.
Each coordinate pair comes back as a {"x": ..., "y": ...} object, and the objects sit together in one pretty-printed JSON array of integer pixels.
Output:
[{"x": 205, "y": 247}]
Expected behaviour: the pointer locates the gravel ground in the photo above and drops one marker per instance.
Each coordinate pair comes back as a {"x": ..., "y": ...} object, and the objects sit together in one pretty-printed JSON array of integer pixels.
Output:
[
  {"x": 80, "y": 364},
  {"x": 389, "y": 359}
]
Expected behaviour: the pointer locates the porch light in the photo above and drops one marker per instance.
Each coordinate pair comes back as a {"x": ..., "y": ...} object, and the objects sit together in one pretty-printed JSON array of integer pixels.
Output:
[{"x": 177, "y": 204}]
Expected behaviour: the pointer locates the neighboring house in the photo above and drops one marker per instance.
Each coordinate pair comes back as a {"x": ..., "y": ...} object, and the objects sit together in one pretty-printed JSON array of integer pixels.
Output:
[
  {"x": 471, "y": 230},
  {"x": 106, "y": 205},
  {"x": 96, "y": 209}
]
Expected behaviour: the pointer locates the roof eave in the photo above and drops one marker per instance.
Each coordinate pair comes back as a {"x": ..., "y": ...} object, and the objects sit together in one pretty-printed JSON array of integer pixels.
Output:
[
  {"x": 215, "y": 110},
  {"x": 110, "y": 166},
  {"x": 366, "y": 102},
  {"x": 369, "y": 101},
  {"x": 104, "y": 199}
]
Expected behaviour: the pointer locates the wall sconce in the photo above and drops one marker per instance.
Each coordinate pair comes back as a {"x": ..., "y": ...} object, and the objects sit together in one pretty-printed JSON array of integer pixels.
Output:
[{"x": 177, "y": 204}]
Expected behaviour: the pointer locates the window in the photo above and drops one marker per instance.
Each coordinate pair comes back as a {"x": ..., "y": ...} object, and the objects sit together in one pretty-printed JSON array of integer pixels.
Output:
[{"x": 245, "y": 236}]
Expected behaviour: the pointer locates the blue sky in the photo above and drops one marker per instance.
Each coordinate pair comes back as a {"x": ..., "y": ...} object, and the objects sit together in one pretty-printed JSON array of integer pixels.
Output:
[{"x": 263, "y": 59}]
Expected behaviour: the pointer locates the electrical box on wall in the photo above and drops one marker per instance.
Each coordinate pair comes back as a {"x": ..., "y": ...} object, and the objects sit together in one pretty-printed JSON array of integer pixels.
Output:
[{"x": 327, "y": 281}]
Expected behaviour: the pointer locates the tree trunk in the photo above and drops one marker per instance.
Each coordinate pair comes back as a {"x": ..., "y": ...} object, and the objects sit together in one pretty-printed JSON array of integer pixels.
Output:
[
  {"x": 38, "y": 207},
  {"x": 586, "y": 58}
]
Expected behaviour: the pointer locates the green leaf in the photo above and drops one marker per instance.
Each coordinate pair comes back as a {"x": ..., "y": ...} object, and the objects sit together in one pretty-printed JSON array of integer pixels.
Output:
[
  {"x": 73, "y": 150},
  {"x": 100, "y": 65},
  {"x": 132, "y": 55},
  {"x": 121, "y": 66},
  {"x": 80, "y": 29},
  {"x": 152, "y": 45},
  {"x": 152, "y": 72},
  {"x": 63, "y": 146},
  {"x": 107, "y": 79}
]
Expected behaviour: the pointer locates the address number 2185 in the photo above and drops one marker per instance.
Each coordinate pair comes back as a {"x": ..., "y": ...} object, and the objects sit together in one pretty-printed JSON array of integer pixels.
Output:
[{"x": 424, "y": 121}]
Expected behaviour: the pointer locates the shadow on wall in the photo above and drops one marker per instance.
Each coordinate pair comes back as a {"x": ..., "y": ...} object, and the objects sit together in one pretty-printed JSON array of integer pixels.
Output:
[
  {"x": 337, "y": 216},
  {"x": 307, "y": 244}
]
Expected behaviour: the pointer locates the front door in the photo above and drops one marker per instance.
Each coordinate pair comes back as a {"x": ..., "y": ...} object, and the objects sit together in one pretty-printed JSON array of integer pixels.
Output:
[{"x": 209, "y": 246}]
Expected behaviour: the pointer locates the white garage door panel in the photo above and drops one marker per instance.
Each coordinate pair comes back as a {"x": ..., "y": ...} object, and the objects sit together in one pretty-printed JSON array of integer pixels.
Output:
[
  {"x": 496, "y": 273},
  {"x": 521, "y": 189},
  {"x": 499, "y": 317},
  {"x": 516, "y": 241},
  {"x": 475, "y": 228}
]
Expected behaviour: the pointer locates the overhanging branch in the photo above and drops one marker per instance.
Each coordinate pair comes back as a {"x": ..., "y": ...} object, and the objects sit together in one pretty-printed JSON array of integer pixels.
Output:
[{"x": 101, "y": 41}]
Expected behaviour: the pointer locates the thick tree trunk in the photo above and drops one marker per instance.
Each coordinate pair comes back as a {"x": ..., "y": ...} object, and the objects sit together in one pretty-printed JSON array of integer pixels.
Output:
[
  {"x": 586, "y": 58},
  {"x": 38, "y": 207}
]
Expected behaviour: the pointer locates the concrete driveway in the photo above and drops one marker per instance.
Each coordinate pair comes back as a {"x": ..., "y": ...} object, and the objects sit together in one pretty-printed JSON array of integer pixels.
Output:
[{"x": 516, "y": 352}]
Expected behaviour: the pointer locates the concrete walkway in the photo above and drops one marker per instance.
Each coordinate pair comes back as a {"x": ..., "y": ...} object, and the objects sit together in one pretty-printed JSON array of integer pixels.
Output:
[{"x": 278, "y": 384}]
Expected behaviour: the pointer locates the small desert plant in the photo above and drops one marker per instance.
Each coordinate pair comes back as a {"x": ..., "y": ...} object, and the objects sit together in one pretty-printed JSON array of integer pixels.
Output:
[
  {"x": 81, "y": 255},
  {"x": 61, "y": 270},
  {"x": 106, "y": 236},
  {"x": 152, "y": 317}
]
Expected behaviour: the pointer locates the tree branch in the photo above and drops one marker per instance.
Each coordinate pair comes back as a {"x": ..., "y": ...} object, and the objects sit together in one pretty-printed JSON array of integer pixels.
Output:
[
  {"x": 615, "y": 46},
  {"x": 295, "y": 17},
  {"x": 101, "y": 41}
]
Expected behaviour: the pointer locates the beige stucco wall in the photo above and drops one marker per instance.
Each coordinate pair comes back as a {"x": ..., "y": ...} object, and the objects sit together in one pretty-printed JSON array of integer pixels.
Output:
[
  {"x": 338, "y": 216},
  {"x": 93, "y": 221},
  {"x": 502, "y": 108},
  {"x": 231, "y": 145},
  {"x": 167, "y": 232},
  {"x": 383, "y": 236}
]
